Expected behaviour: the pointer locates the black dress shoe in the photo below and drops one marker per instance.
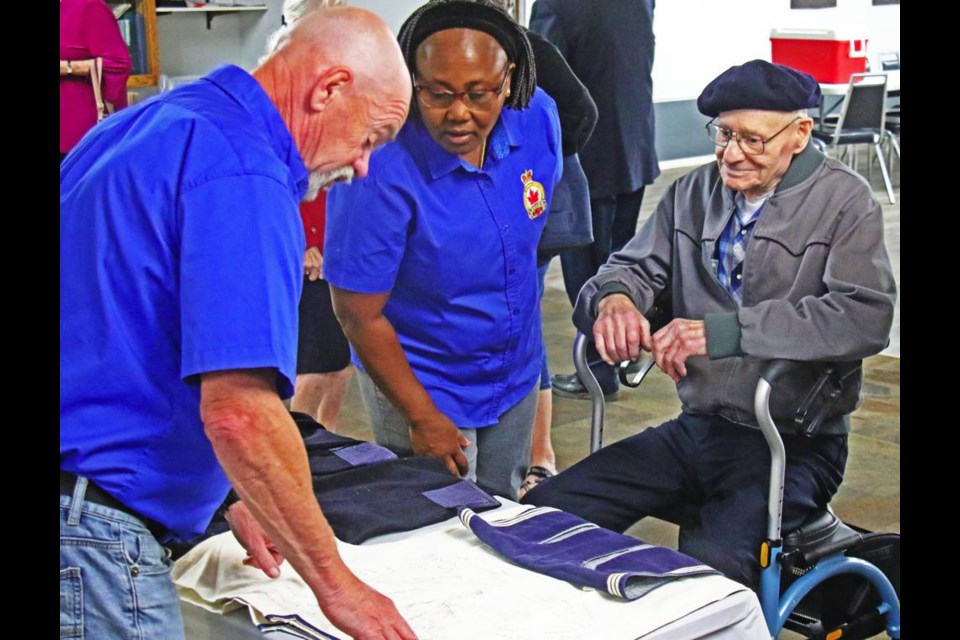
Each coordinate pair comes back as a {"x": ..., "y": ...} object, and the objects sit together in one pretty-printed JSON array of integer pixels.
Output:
[{"x": 569, "y": 386}]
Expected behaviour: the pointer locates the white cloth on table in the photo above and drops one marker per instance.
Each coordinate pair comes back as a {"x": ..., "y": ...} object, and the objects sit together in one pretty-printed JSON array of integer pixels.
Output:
[{"x": 445, "y": 582}]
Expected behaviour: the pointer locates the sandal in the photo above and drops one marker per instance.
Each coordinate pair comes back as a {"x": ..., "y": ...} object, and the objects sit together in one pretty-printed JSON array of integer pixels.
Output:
[{"x": 535, "y": 475}]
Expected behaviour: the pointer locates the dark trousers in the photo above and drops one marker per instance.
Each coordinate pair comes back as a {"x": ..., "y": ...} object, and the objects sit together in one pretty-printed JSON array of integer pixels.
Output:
[
  {"x": 708, "y": 476},
  {"x": 614, "y": 224}
]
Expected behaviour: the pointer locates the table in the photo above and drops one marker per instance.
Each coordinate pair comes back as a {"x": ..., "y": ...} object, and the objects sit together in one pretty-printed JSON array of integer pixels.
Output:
[{"x": 447, "y": 584}]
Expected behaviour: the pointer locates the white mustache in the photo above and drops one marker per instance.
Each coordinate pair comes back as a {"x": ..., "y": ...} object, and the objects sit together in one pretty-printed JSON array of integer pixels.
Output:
[{"x": 325, "y": 180}]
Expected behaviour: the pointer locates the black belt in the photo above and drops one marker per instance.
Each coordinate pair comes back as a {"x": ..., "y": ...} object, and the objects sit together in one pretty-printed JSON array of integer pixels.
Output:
[{"x": 96, "y": 495}]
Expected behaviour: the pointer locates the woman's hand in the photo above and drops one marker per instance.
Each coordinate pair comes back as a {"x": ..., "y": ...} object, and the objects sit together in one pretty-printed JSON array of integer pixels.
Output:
[{"x": 439, "y": 438}]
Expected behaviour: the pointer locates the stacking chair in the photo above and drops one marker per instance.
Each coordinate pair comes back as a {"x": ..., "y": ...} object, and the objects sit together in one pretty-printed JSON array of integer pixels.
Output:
[
  {"x": 890, "y": 61},
  {"x": 862, "y": 121},
  {"x": 892, "y": 125}
]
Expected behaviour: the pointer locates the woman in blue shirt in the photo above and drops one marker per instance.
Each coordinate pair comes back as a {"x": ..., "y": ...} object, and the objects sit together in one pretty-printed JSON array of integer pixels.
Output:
[{"x": 432, "y": 259}]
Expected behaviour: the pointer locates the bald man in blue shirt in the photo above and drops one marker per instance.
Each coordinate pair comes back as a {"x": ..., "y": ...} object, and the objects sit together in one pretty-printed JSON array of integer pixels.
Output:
[{"x": 181, "y": 254}]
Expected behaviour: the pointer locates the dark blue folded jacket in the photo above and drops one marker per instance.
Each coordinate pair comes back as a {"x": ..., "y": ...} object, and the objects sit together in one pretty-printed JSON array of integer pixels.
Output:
[
  {"x": 366, "y": 491},
  {"x": 564, "y": 546}
]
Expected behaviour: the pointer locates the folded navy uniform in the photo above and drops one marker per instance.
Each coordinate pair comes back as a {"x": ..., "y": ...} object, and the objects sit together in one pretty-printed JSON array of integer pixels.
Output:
[
  {"x": 564, "y": 546},
  {"x": 365, "y": 490},
  {"x": 329, "y": 453},
  {"x": 400, "y": 495}
]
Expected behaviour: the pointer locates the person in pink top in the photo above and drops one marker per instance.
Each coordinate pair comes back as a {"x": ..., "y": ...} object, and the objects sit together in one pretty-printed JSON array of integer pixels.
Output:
[{"x": 88, "y": 31}]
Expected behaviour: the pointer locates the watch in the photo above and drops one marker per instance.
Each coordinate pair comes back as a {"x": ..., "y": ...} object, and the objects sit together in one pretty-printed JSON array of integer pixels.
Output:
[{"x": 69, "y": 68}]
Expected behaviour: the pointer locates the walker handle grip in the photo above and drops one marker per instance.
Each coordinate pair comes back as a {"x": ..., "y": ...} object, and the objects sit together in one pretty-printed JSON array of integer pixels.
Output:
[{"x": 773, "y": 370}]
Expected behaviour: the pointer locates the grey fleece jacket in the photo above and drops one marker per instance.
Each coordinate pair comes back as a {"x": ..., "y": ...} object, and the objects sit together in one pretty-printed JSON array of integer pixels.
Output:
[{"x": 817, "y": 286}]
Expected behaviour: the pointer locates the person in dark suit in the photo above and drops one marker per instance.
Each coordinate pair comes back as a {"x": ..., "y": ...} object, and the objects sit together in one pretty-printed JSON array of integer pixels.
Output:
[
  {"x": 568, "y": 224},
  {"x": 609, "y": 44}
]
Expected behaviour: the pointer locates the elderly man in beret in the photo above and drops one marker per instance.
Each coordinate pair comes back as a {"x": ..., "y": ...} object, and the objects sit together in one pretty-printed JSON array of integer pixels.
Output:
[{"x": 772, "y": 252}]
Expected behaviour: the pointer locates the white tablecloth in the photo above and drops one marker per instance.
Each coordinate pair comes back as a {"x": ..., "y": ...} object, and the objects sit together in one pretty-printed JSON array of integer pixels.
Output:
[{"x": 448, "y": 584}]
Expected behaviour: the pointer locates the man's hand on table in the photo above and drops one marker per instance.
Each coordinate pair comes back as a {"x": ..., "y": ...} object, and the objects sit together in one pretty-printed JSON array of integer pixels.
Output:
[
  {"x": 362, "y": 612},
  {"x": 261, "y": 552},
  {"x": 353, "y": 607}
]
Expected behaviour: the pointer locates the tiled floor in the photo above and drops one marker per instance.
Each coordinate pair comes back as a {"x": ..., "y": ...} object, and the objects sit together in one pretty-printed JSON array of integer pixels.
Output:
[{"x": 870, "y": 494}]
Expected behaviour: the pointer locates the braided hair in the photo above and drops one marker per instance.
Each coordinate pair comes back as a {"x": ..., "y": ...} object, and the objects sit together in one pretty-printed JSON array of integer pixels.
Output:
[{"x": 479, "y": 15}]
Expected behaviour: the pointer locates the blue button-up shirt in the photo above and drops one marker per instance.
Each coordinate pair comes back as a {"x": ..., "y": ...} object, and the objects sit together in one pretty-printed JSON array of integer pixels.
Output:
[
  {"x": 456, "y": 248},
  {"x": 181, "y": 252}
]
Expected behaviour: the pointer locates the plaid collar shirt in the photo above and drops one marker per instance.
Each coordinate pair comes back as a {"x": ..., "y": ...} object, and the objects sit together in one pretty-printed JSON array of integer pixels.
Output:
[{"x": 732, "y": 246}]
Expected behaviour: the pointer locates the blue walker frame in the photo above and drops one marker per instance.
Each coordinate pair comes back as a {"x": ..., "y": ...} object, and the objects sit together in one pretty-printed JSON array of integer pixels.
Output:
[{"x": 776, "y": 607}]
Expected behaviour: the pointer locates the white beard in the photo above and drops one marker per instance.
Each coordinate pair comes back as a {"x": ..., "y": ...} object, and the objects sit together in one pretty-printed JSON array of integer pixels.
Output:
[{"x": 325, "y": 180}]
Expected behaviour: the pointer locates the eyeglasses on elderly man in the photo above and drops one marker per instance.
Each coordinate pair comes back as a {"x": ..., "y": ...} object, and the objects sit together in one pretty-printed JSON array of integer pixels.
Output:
[{"x": 750, "y": 143}]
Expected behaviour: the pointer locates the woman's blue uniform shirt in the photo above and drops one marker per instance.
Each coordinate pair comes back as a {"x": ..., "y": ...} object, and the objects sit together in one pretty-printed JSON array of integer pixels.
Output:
[{"x": 456, "y": 248}]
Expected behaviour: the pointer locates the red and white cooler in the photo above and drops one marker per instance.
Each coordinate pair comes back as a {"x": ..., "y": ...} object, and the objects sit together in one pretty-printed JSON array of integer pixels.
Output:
[{"x": 828, "y": 55}]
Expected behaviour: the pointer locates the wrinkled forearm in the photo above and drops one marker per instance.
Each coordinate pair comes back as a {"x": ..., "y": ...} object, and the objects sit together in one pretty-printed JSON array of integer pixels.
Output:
[{"x": 260, "y": 449}]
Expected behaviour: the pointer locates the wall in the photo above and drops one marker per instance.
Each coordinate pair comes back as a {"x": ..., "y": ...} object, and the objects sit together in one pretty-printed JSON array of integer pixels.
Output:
[
  {"x": 696, "y": 40},
  {"x": 187, "y": 47},
  {"x": 394, "y": 12},
  {"x": 253, "y": 37}
]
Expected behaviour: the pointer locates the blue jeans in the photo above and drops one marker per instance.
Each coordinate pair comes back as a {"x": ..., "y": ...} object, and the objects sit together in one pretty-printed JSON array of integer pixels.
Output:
[{"x": 114, "y": 575}]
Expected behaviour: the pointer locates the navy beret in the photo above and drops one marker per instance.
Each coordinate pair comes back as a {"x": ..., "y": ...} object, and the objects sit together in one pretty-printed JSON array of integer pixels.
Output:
[{"x": 759, "y": 84}]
